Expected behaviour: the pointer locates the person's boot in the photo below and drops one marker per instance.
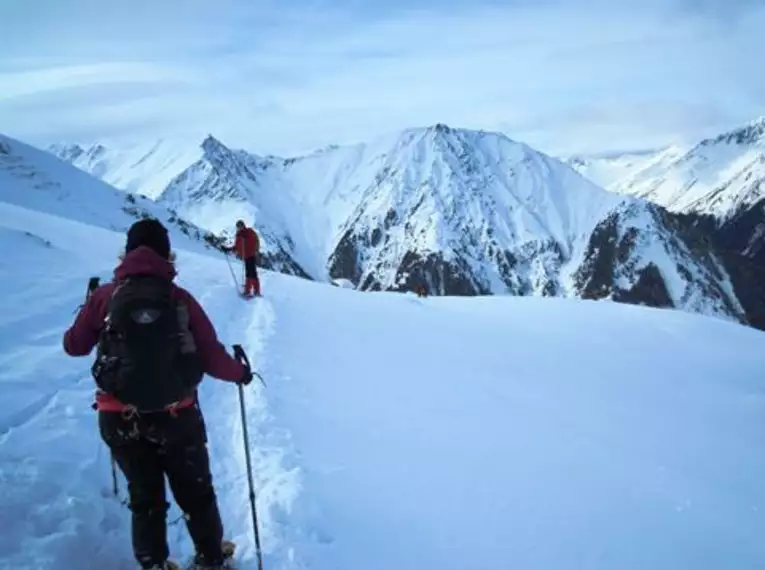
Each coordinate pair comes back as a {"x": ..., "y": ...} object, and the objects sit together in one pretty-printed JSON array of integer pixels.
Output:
[
  {"x": 201, "y": 563},
  {"x": 253, "y": 287}
]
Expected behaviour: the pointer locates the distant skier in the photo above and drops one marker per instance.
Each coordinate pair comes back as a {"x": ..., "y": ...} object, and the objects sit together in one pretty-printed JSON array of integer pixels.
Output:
[
  {"x": 155, "y": 343},
  {"x": 247, "y": 248}
]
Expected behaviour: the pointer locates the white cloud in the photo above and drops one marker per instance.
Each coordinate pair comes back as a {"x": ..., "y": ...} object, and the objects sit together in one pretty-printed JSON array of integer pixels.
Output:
[
  {"x": 564, "y": 76},
  {"x": 30, "y": 82}
]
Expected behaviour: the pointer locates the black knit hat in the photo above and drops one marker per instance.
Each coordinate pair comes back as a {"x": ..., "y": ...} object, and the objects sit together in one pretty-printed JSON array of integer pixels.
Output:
[{"x": 150, "y": 233}]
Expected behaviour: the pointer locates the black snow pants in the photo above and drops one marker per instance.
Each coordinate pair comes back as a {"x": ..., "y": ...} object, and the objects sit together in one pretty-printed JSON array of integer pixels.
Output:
[
  {"x": 150, "y": 447},
  {"x": 251, "y": 267}
]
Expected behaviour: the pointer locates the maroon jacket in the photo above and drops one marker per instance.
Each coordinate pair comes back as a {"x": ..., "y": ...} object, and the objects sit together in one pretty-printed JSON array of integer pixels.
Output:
[{"x": 82, "y": 336}]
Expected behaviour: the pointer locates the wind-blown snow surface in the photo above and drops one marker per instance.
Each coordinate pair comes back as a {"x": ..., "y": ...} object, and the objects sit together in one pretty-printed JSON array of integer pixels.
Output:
[{"x": 397, "y": 432}]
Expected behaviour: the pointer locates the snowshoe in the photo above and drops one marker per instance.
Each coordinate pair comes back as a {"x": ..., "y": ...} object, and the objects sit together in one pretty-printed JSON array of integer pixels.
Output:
[
  {"x": 197, "y": 563},
  {"x": 228, "y": 548}
]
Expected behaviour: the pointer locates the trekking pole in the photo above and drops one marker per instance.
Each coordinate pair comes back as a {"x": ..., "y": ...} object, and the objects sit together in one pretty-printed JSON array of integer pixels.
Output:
[
  {"x": 242, "y": 357},
  {"x": 93, "y": 284},
  {"x": 233, "y": 275},
  {"x": 115, "y": 485}
]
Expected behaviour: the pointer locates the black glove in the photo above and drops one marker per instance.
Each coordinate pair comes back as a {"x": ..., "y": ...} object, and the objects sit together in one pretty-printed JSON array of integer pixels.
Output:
[
  {"x": 241, "y": 357},
  {"x": 246, "y": 377}
]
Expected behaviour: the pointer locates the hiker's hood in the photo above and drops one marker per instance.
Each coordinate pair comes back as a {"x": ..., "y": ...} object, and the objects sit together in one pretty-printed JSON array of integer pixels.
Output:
[{"x": 145, "y": 261}]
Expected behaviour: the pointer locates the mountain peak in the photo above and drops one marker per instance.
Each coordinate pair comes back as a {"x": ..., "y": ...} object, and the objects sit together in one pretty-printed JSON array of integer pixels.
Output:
[
  {"x": 212, "y": 146},
  {"x": 750, "y": 134},
  {"x": 441, "y": 128},
  {"x": 444, "y": 129}
]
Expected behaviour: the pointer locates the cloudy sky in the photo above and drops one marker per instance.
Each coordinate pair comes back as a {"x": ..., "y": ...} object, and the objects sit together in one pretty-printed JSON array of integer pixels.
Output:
[{"x": 285, "y": 77}]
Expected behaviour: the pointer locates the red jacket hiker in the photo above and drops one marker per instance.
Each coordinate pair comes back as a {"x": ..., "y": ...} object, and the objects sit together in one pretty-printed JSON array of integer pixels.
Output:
[
  {"x": 246, "y": 244},
  {"x": 247, "y": 248},
  {"x": 82, "y": 337},
  {"x": 151, "y": 446}
]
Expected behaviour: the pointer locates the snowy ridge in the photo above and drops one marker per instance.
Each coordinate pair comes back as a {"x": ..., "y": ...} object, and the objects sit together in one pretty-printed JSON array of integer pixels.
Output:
[
  {"x": 144, "y": 169},
  {"x": 720, "y": 176}
]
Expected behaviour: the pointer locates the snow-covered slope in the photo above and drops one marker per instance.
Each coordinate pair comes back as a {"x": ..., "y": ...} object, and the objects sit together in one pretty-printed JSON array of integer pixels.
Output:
[
  {"x": 720, "y": 176},
  {"x": 611, "y": 169},
  {"x": 460, "y": 211},
  {"x": 144, "y": 169},
  {"x": 35, "y": 180},
  {"x": 209, "y": 184},
  {"x": 446, "y": 433}
]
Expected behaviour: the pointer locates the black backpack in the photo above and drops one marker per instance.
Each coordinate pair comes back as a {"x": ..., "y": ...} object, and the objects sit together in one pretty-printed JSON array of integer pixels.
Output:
[{"x": 147, "y": 357}]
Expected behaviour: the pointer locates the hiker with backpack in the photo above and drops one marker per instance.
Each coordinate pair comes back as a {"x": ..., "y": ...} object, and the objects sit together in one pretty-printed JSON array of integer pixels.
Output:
[
  {"x": 247, "y": 248},
  {"x": 155, "y": 343}
]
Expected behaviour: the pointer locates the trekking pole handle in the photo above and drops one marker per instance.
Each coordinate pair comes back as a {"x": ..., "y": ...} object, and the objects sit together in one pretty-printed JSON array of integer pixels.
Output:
[
  {"x": 93, "y": 284},
  {"x": 241, "y": 356}
]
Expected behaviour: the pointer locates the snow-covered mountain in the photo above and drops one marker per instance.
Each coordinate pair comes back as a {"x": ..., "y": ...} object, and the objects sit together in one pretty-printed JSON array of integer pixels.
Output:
[
  {"x": 209, "y": 184},
  {"x": 226, "y": 185},
  {"x": 468, "y": 212},
  {"x": 462, "y": 212},
  {"x": 34, "y": 180},
  {"x": 721, "y": 178}
]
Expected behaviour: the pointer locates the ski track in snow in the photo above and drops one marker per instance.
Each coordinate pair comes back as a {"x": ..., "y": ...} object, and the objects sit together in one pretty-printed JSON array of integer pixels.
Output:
[
  {"x": 72, "y": 516},
  {"x": 276, "y": 478}
]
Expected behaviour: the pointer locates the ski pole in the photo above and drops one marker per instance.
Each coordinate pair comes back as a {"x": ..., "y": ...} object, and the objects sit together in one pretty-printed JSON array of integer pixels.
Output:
[
  {"x": 115, "y": 485},
  {"x": 242, "y": 357},
  {"x": 233, "y": 275}
]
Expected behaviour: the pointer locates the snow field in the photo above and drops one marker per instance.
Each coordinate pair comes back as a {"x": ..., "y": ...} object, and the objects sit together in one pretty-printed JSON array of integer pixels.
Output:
[{"x": 533, "y": 433}]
